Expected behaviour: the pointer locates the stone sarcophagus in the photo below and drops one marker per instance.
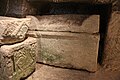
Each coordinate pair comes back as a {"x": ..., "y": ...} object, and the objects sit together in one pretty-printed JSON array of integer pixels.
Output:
[
  {"x": 18, "y": 60},
  {"x": 70, "y": 41}
]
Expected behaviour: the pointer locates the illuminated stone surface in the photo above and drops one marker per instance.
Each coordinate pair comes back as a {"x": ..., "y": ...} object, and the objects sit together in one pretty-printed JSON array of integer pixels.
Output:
[
  {"x": 18, "y": 60},
  {"x": 70, "y": 41},
  {"x": 70, "y": 50},
  {"x": 13, "y": 30},
  {"x": 66, "y": 23}
]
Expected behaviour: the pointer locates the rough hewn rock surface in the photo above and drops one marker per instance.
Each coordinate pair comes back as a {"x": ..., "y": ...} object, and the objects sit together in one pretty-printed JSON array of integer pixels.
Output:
[
  {"x": 20, "y": 8},
  {"x": 71, "y": 50},
  {"x": 17, "y": 8},
  {"x": 13, "y": 30},
  {"x": 112, "y": 44},
  {"x": 68, "y": 23},
  {"x": 115, "y": 3},
  {"x": 18, "y": 60}
]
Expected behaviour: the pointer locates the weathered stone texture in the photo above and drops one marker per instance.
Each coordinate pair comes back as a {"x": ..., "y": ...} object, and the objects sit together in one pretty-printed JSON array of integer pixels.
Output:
[
  {"x": 20, "y": 8},
  {"x": 13, "y": 30},
  {"x": 16, "y": 8},
  {"x": 112, "y": 44},
  {"x": 65, "y": 40},
  {"x": 18, "y": 60},
  {"x": 2, "y": 69},
  {"x": 115, "y": 3},
  {"x": 68, "y": 23},
  {"x": 71, "y": 50}
]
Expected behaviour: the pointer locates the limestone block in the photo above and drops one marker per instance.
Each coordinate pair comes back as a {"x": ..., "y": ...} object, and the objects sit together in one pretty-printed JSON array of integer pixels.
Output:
[
  {"x": 13, "y": 30},
  {"x": 68, "y": 23},
  {"x": 18, "y": 60},
  {"x": 70, "y": 50},
  {"x": 111, "y": 58}
]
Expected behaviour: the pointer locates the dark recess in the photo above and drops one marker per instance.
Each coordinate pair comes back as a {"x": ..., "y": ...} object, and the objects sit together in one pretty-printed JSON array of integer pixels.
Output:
[
  {"x": 3, "y": 4},
  {"x": 105, "y": 15}
]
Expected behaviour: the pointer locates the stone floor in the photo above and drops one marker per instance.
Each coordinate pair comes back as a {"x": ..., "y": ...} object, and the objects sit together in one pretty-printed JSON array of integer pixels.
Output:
[{"x": 45, "y": 72}]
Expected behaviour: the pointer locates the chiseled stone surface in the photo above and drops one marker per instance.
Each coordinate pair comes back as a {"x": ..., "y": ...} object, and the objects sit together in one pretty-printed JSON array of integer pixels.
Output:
[
  {"x": 111, "y": 58},
  {"x": 13, "y": 30},
  {"x": 68, "y": 23},
  {"x": 2, "y": 69},
  {"x": 18, "y": 60},
  {"x": 70, "y": 50}
]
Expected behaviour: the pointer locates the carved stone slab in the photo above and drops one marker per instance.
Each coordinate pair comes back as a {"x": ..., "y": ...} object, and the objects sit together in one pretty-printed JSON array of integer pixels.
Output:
[
  {"x": 70, "y": 50},
  {"x": 18, "y": 60},
  {"x": 68, "y": 23},
  {"x": 13, "y": 30}
]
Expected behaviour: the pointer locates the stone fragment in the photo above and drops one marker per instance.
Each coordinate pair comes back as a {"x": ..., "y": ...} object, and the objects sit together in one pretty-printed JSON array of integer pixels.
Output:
[
  {"x": 13, "y": 30},
  {"x": 68, "y": 23},
  {"x": 70, "y": 50},
  {"x": 111, "y": 59},
  {"x": 18, "y": 61}
]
